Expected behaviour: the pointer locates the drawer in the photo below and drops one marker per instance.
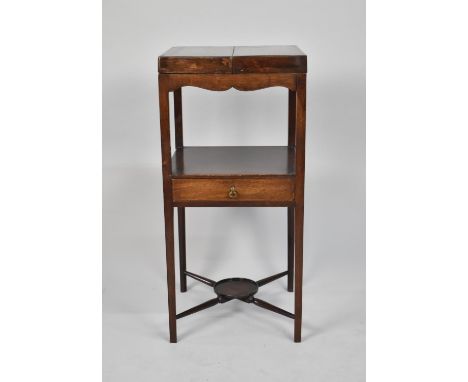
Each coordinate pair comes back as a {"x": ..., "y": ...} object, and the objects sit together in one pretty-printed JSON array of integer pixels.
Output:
[{"x": 275, "y": 190}]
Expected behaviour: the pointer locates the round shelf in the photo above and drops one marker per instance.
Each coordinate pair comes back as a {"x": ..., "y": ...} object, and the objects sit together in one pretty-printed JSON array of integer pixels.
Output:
[{"x": 236, "y": 287}]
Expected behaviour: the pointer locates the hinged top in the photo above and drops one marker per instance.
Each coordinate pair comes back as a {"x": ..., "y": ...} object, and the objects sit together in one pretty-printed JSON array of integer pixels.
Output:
[{"x": 233, "y": 59}]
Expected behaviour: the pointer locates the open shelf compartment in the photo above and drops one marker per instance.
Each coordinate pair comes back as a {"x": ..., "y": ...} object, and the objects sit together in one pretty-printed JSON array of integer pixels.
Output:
[{"x": 228, "y": 161}]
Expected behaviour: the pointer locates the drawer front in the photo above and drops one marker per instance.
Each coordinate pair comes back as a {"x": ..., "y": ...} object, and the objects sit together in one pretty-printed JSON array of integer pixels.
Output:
[{"x": 233, "y": 190}]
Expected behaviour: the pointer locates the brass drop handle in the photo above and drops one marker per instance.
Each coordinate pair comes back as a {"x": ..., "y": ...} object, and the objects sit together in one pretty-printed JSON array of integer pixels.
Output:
[{"x": 232, "y": 192}]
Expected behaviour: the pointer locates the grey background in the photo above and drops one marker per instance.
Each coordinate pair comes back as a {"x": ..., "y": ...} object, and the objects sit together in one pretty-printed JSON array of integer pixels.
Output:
[{"x": 234, "y": 341}]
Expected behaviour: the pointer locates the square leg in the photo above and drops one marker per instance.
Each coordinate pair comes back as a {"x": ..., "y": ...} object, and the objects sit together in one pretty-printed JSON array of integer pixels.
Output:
[
  {"x": 168, "y": 208},
  {"x": 290, "y": 248},
  {"x": 299, "y": 209},
  {"x": 182, "y": 249}
]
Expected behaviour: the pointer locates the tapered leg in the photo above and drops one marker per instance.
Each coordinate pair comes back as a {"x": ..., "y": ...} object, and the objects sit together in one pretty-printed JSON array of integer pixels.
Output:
[
  {"x": 168, "y": 208},
  {"x": 291, "y": 144},
  {"x": 182, "y": 257},
  {"x": 299, "y": 220},
  {"x": 299, "y": 197},
  {"x": 171, "y": 298},
  {"x": 179, "y": 142},
  {"x": 290, "y": 248}
]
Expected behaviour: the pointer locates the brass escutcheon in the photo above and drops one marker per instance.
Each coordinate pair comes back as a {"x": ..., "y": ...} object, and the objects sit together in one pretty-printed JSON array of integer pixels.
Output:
[{"x": 232, "y": 192}]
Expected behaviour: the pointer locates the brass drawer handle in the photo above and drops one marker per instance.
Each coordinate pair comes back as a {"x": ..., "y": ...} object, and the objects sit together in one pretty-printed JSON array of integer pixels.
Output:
[{"x": 232, "y": 192}]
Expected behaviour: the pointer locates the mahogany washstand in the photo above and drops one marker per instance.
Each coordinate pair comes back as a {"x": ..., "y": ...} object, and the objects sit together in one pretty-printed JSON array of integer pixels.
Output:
[{"x": 234, "y": 176}]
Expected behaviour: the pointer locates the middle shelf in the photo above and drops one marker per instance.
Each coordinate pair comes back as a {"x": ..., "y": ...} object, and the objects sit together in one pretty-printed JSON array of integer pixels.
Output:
[{"x": 232, "y": 161}]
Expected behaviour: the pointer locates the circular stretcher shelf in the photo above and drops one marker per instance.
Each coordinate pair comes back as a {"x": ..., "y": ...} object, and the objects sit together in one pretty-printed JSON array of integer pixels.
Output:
[{"x": 236, "y": 288}]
